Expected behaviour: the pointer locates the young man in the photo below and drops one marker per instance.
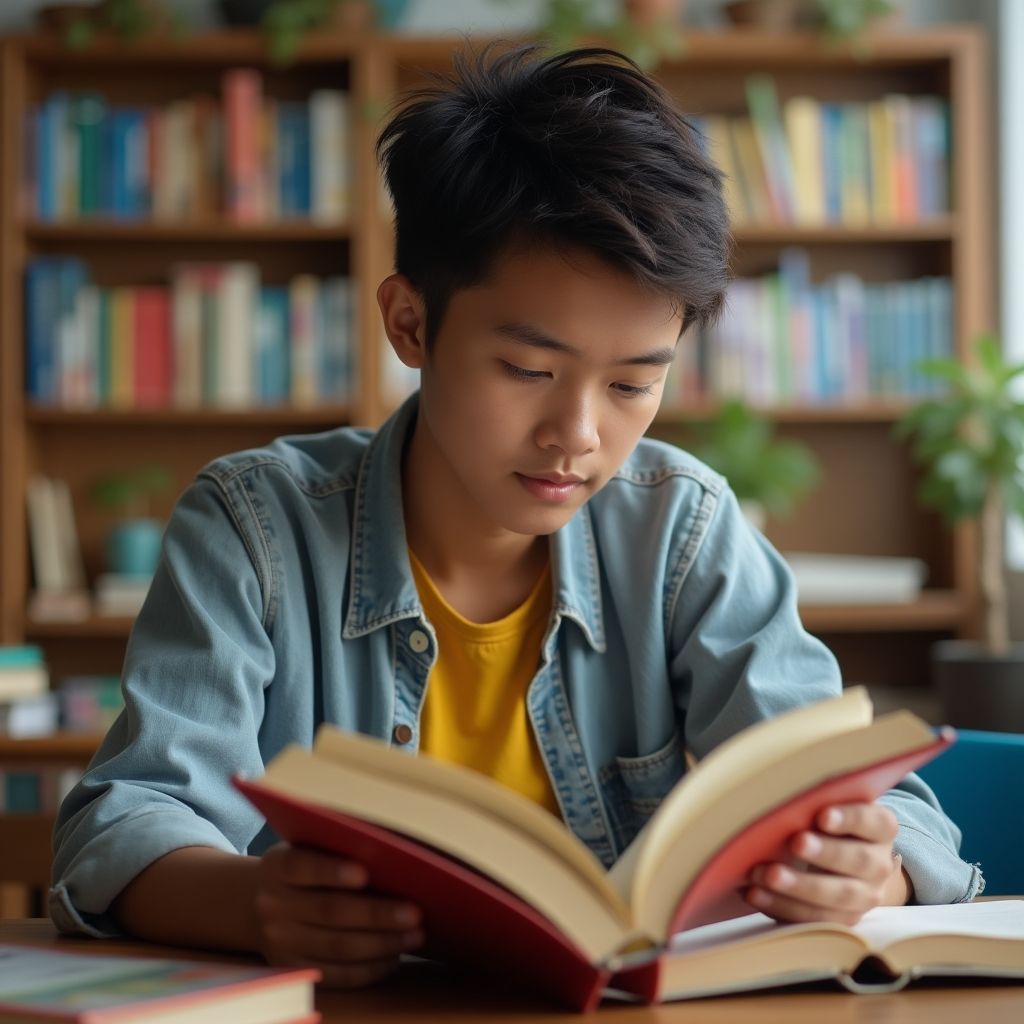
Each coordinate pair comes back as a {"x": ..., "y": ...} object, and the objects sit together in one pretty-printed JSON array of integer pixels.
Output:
[{"x": 505, "y": 574}]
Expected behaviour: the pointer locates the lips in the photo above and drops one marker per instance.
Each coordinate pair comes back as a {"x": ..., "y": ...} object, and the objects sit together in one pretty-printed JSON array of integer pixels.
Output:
[
  {"x": 553, "y": 488},
  {"x": 558, "y": 479}
]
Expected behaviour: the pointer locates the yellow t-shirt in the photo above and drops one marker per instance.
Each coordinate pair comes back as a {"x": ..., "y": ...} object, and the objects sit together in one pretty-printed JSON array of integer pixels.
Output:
[{"x": 475, "y": 709}]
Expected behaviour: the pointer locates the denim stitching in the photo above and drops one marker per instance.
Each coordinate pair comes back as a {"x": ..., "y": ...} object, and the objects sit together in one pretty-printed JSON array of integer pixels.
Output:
[
  {"x": 246, "y": 540},
  {"x": 689, "y": 554},
  {"x": 270, "y": 598},
  {"x": 227, "y": 474}
]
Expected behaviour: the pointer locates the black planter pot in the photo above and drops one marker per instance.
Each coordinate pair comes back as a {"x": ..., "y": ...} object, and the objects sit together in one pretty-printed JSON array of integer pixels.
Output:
[
  {"x": 243, "y": 12},
  {"x": 979, "y": 691}
]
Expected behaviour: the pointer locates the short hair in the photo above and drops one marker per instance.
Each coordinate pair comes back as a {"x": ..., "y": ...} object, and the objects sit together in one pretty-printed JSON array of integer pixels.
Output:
[{"x": 578, "y": 149}]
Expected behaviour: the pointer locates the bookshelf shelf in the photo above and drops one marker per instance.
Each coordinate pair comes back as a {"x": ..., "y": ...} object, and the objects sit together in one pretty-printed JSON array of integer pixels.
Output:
[
  {"x": 943, "y": 229},
  {"x": 66, "y": 747},
  {"x": 867, "y": 412},
  {"x": 938, "y": 610},
  {"x": 220, "y": 230},
  {"x": 273, "y": 416},
  {"x": 98, "y": 626}
]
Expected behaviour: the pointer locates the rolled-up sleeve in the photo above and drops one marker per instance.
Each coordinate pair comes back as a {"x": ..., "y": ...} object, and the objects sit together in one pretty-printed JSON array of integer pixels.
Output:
[
  {"x": 740, "y": 654},
  {"x": 195, "y": 672}
]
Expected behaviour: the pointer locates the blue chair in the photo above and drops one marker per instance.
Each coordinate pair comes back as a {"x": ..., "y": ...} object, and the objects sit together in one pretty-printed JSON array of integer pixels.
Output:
[{"x": 980, "y": 783}]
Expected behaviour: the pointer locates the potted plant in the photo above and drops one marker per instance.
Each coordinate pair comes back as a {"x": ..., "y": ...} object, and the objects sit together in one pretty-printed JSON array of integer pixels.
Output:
[
  {"x": 125, "y": 20},
  {"x": 767, "y": 475},
  {"x": 133, "y": 541},
  {"x": 837, "y": 19},
  {"x": 970, "y": 442},
  {"x": 644, "y": 30}
]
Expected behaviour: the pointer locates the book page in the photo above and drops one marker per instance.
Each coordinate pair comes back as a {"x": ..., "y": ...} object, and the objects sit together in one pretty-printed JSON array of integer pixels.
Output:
[
  {"x": 765, "y": 743},
  {"x": 468, "y": 787},
  {"x": 996, "y": 919}
]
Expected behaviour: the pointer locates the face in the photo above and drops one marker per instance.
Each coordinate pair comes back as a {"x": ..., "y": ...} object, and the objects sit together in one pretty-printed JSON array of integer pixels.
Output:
[{"x": 539, "y": 385}]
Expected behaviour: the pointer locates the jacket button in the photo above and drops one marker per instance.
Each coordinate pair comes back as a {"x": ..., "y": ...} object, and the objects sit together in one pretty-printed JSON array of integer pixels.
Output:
[
  {"x": 402, "y": 734},
  {"x": 418, "y": 641}
]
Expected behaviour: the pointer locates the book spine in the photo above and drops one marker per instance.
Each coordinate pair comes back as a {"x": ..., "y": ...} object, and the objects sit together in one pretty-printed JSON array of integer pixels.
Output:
[{"x": 242, "y": 101}]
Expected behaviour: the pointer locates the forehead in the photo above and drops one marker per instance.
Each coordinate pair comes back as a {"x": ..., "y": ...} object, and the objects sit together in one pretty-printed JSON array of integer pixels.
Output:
[{"x": 571, "y": 294}]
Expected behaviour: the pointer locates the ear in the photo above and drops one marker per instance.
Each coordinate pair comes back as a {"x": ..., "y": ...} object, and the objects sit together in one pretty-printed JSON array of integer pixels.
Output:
[{"x": 405, "y": 319}]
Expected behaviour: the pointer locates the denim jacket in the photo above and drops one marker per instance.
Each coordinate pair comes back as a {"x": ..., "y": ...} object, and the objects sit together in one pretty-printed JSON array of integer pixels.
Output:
[{"x": 284, "y": 599}]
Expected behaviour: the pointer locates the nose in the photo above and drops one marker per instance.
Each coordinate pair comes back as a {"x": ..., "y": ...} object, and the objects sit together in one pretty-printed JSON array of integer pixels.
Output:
[{"x": 570, "y": 427}]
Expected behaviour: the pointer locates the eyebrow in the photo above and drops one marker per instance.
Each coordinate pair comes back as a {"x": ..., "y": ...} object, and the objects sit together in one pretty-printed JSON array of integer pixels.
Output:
[{"x": 528, "y": 334}]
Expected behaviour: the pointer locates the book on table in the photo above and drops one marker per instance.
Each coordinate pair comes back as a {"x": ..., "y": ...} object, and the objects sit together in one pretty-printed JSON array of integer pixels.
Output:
[
  {"x": 39, "y": 984},
  {"x": 504, "y": 886}
]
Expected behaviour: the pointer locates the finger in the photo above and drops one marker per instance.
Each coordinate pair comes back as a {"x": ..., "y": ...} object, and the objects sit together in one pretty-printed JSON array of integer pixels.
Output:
[
  {"x": 853, "y": 857},
  {"x": 823, "y": 891},
  {"x": 330, "y": 909},
  {"x": 786, "y": 908},
  {"x": 332, "y": 946},
  {"x": 307, "y": 868},
  {"x": 873, "y": 822}
]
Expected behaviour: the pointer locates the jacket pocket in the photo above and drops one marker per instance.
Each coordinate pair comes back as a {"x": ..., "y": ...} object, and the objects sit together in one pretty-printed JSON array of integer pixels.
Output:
[{"x": 633, "y": 787}]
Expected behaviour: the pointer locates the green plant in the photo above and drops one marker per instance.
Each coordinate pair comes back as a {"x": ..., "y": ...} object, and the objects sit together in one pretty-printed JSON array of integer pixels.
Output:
[
  {"x": 970, "y": 442},
  {"x": 565, "y": 24},
  {"x": 128, "y": 493},
  {"x": 286, "y": 22},
  {"x": 127, "y": 20},
  {"x": 848, "y": 19},
  {"x": 740, "y": 445}
]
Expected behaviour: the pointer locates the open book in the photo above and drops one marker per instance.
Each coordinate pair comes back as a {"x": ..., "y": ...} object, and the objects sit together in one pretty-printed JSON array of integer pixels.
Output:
[{"x": 504, "y": 885}]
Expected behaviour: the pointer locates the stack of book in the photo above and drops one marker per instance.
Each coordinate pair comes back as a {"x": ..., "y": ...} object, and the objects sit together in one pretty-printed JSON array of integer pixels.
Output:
[
  {"x": 808, "y": 161},
  {"x": 250, "y": 157},
  {"x": 784, "y": 339},
  {"x": 27, "y": 707},
  {"x": 89, "y": 704},
  {"x": 216, "y": 336}
]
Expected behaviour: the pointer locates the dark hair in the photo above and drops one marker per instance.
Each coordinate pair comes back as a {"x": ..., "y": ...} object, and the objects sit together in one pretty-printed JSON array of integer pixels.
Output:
[{"x": 580, "y": 149}]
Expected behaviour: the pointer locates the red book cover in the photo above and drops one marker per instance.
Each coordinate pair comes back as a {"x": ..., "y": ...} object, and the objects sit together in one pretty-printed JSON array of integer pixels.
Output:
[
  {"x": 242, "y": 101},
  {"x": 153, "y": 367},
  {"x": 467, "y": 917}
]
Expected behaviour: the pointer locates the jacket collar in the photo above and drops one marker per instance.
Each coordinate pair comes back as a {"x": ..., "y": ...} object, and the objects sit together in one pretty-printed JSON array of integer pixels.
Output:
[{"x": 383, "y": 590}]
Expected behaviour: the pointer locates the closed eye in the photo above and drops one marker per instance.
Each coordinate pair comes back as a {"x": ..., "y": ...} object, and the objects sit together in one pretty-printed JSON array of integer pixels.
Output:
[
  {"x": 633, "y": 390},
  {"x": 518, "y": 373}
]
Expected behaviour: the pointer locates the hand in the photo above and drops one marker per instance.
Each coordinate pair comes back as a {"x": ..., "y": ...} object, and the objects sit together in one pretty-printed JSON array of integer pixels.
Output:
[
  {"x": 843, "y": 869},
  {"x": 312, "y": 913}
]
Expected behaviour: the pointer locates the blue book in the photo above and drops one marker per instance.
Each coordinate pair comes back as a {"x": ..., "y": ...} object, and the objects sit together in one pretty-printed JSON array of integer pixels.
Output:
[
  {"x": 20, "y": 656},
  {"x": 294, "y": 160},
  {"x": 137, "y": 170},
  {"x": 42, "y": 323},
  {"x": 46, "y": 192},
  {"x": 831, "y": 153},
  {"x": 273, "y": 364}
]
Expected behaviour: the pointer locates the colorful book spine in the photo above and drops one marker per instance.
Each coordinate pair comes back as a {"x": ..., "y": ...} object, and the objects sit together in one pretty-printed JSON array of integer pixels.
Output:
[{"x": 242, "y": 101}]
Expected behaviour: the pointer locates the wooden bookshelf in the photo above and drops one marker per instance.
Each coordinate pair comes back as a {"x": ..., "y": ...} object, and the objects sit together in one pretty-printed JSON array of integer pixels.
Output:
[{"x": 867, "y": 502}]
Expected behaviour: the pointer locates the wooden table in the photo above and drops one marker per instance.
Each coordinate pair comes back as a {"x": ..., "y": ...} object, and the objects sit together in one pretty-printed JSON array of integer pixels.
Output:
[{"x": 429, "y": 994}]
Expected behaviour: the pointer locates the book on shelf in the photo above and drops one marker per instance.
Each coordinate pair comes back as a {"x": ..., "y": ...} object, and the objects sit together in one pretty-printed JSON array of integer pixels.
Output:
[
  {"x": 38, "y": 788},
  {"x": 59, "y": 574},
  {"x": 89, "y": 704},
  {"x": 503, "y": 885},
  {"x": 23, "y": 673},
  {"x": 28, "y": 717},
  {"x": 783, "y": 338},
  {"x": 94, "y": 988},
  {"x": 856, "y": 579},
  {"x": 119, "y": 594},
  {"x": 241, "y": 153},
  {"x": 215, "y": 337},
  {"x": 810, "y": 162}
]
